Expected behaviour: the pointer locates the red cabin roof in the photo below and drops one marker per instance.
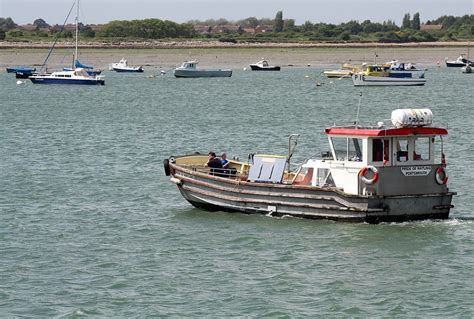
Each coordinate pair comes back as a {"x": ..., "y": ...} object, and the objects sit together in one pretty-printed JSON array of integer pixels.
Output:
[{"x": 404, "y": 131}]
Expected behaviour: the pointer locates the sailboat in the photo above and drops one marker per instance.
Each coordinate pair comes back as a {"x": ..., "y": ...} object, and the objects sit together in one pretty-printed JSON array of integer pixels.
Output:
[{"x": 76, "y": 75}]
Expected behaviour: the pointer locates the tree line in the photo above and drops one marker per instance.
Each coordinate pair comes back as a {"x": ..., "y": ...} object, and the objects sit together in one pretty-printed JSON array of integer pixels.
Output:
[{"x": 453, "y": 28}]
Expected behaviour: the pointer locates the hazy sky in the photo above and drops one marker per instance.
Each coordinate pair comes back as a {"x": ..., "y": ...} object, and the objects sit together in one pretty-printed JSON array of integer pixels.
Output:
[{"x": 330, "y": 11}]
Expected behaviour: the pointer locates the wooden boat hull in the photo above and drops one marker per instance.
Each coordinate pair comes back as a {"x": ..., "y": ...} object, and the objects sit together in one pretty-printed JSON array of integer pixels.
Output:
[{"x": 226, "y": 194}]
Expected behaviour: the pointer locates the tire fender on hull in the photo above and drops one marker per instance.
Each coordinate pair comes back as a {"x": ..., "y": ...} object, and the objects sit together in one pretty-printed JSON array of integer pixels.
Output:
[{"x": 166, "y": 164}]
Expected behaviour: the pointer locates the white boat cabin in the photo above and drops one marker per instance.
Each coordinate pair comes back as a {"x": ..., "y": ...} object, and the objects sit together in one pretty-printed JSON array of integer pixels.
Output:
[
  {"x": 358, "y": 154},
  {"x": 189, "y": 65},
  {"x": 262, "y": 63}
]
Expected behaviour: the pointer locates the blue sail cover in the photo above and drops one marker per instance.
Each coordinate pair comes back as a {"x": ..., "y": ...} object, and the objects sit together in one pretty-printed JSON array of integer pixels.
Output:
[
  {"x": 14, "y": 70},
  {"x": 78, "y": 64}
]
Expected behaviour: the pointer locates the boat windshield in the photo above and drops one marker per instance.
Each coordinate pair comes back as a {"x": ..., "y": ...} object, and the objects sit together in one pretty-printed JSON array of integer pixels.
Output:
[{"x": 347, "y": 149}]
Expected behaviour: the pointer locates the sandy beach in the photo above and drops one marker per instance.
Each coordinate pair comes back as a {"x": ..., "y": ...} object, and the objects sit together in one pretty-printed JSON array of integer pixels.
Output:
[{"x": 225, "y": 55}]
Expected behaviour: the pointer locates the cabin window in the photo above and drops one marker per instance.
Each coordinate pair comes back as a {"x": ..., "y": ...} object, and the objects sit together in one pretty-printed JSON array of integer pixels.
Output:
[
  {"x": 422, "y": 149},
  {"x": 340, "y": 148},
  {"x": 347, "y": 149},
  {"x": 402, "y": 150},
  {"x": 324, "y": 178},
  {"x": 355, "y": 150},
  {"x": 380, "y": 150}
]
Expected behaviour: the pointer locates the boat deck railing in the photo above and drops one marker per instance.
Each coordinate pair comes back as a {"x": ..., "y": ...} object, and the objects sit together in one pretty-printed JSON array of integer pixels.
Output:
[{"x": 237, "y": 171}]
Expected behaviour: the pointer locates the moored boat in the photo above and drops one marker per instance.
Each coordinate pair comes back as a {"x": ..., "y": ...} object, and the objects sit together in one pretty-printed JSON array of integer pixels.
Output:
[
  {"x": 466, "y": 69},
  {"x": 369, "y": 174},
  {"x": 77, "y": 76},
  {"x": 345, "y": 71},
  {"x": 459, "y": 62},
  {"x": 188, "y": 70},
  {"x": 263, "y": 65},
  {"x": 123, "y": 66},
  {"x": 20, "y": 69},
  {"x": 376, "y": 75},
  {"x": 22, "y": 72},
  {"x": 404, "y": 70}
]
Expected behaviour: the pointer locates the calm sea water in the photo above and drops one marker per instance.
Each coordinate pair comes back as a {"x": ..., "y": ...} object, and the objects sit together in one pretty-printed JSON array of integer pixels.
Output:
[{"x": 91, "y": 227}]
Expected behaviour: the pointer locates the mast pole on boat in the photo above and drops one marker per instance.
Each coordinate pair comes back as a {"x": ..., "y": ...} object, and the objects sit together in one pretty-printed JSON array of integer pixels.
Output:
[{"x": 76, "y": 57}]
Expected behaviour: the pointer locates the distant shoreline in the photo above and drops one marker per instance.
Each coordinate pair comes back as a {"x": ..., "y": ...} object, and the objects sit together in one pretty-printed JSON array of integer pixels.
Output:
[
  {"x": 192, "y": 44},
  {"x": 155, "y": 56}
]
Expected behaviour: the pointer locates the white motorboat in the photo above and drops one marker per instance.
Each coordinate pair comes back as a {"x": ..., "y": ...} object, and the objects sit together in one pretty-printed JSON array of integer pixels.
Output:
[
  {"x": 459, "y": 62},
  {"x": 263, "y": 65},
  {"x": 123, "y": 66},
  {"x": 189, "y": 70}
]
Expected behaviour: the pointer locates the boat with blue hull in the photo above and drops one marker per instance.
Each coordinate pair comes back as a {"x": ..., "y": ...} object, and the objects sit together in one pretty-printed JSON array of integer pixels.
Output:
[
  {"x": 21, "y": 72},
  {"x": 78, "y": 77},
  {"x": 404, "y": 70},
  {"x": 20, "y": 69}
]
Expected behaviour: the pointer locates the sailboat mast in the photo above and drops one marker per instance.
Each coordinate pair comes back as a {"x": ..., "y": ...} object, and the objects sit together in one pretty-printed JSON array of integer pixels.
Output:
[{"x": 77, "y": 31}]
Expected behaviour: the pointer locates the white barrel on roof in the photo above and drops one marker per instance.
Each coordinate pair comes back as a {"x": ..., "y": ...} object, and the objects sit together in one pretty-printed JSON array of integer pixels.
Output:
[{"x": 411, "y": 117}]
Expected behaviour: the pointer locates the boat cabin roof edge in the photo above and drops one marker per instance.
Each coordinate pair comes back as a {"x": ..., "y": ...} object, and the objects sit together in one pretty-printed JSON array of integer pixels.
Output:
[{"x": 381, "y": 132}]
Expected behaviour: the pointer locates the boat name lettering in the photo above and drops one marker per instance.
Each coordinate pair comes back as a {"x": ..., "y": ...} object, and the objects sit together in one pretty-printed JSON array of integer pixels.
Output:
[{"x": 416, "y": 170}]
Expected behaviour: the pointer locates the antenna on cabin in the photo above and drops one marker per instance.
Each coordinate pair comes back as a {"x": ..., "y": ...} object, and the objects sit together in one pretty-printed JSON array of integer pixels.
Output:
[{"x": 358, "y": 109}]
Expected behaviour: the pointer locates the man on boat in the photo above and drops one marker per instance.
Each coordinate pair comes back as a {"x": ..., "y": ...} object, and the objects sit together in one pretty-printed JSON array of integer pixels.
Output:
[
  {"x": 214, "y": 164},
  {"x": 224, "y": 161}
]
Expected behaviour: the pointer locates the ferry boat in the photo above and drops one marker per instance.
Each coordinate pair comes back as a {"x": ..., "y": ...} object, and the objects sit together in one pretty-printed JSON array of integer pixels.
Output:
[
  {"x": 263, "y": 65},
  {"x": 367, "y": 174},
  {"x": 123, "y": 66},
  {"x": 188, "y": 70}
]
